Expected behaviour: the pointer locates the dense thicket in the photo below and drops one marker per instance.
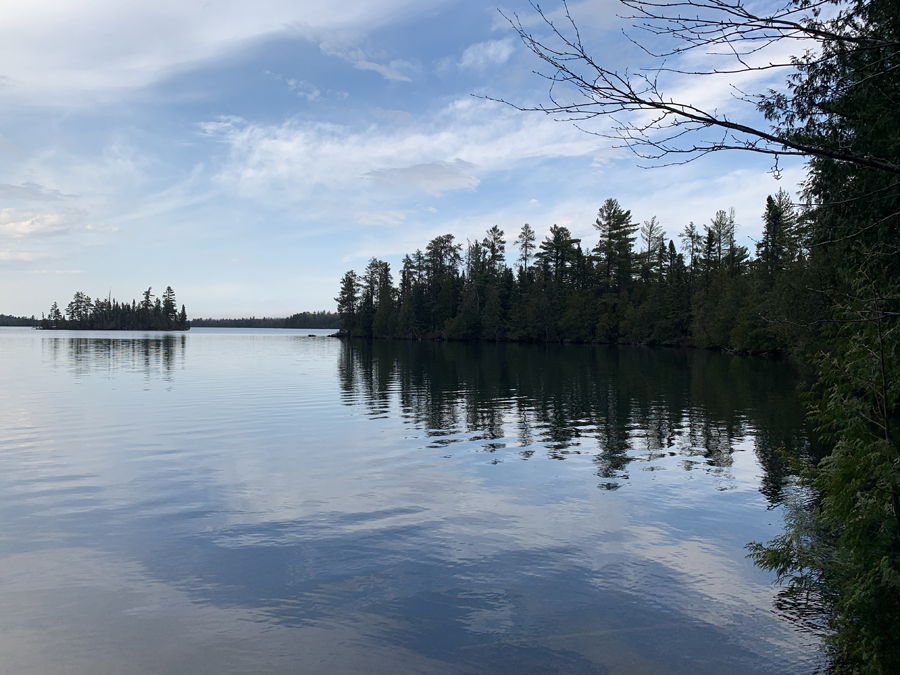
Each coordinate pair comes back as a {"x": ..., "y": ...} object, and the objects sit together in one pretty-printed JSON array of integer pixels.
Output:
[
  {"x": 631, "y": 284},
  {"x": 83, "y": 313},
  {"x": 322, "y": 319},
  {"x": 845, "y": 548}
]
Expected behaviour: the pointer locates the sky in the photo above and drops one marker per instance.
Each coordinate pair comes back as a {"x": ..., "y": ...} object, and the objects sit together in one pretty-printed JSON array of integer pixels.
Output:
[{"x": 248, "y": 154}]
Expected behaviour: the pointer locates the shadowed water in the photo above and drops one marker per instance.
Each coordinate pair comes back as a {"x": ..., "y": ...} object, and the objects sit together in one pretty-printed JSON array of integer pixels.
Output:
[{"x": 230, "y": 501}]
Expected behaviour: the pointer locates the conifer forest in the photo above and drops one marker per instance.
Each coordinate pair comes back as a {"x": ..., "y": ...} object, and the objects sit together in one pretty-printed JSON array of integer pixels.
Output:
[
  {"x": 632, "y": 284},
  {"x": 151, "y": 313}
]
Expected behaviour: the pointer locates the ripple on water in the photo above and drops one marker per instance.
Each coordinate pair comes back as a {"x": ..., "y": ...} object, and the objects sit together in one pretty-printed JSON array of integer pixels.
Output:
[{"x": 228, "y": 501}]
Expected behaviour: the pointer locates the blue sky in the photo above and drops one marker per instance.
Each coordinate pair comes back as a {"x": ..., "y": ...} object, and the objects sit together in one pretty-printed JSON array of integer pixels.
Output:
[{"x": 248, "y": 154}]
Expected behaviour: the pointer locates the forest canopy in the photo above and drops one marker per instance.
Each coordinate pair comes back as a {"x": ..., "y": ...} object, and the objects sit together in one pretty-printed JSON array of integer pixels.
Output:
[{"x": 630, "y": 284}]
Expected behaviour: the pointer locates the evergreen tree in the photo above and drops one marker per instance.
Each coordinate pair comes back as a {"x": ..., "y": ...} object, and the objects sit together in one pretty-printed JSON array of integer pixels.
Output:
[
  {"x": 169, "y": 308},
  {"x": 525, "y": 242},
  {"x": 653, "y": 237},
  {"x": 615, "y": 248},
  {"x": 495, "y": 247},
  {"x": 692, "y": 244},
  {"x": 348, "y": 302}
]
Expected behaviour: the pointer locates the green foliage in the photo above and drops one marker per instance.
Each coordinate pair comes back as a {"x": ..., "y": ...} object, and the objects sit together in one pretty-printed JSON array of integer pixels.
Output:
[
  {"x": 846, "y": 546},
  {"x": 858, "y": 407},
  {"x": 843, "y": 98}
]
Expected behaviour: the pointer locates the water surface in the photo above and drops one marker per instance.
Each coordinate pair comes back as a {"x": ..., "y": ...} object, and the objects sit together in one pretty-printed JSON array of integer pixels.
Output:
[{"x": 251, "y": 501}]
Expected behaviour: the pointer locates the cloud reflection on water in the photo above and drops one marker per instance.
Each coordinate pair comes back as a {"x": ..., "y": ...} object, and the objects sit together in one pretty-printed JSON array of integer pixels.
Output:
[{"x": 278, "y": 503}]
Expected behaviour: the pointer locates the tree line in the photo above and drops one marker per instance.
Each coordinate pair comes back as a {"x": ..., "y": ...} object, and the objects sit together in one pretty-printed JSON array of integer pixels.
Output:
[
  {"x": 151, "y": 313},
  {"x": 632, "y": 284},
  {"x": 10, "y": 320},
  {"x": 321, "y": 319}
]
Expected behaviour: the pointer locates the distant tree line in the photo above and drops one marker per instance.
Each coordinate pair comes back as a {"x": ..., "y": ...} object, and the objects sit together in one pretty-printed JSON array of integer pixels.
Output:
[
  {"x": 321, "y": 319},
  {"x": 9, "y": 320},
  {"x": 151, "y": 313},
  {"x": 632, "y": 284}
]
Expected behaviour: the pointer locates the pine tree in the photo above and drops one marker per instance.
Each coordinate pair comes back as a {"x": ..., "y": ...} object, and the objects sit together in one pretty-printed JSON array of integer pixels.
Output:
[
  {"x": 348, "y": 302},
  {"x": 169, "y": 308},
  {"x": 615, "y": 248},
  {"x": 525, "y": 242}
]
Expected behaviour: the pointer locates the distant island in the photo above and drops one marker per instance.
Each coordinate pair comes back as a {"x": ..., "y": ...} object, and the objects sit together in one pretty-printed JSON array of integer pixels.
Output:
[
  {"x": 329, "y": 320},
  {"x": 152, "y": 313},
  {"x": 83, "y": 313}
]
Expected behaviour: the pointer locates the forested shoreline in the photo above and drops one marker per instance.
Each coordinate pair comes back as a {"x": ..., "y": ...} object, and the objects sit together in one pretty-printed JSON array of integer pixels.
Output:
[
  {"x": 10, "y": 320},
  {"x": 823, "y": 283},
  {"x": 322, "y": 319},
  {"x": 151, "y": 313},
  {"x": 633, "y": 285}
]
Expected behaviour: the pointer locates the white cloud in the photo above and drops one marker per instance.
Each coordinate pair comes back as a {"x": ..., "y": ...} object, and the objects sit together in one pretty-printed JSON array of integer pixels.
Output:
[
  {"x": 22, "y": 256},
  {"x": 394, "y": 217},
  {"x": 29, "y": 192},
  {"x": 301, "y": 159},
  {"x": 367, "y": 60},
  {"x": 386, "y": 72},
  {"x": 493, "y": 52},
  {"x": 303, "y": 88},
  {"x": 434, "y": 178},
  {"x": 101, "y": 227},
  {"x": 56, "y": 49},
  {"x": 18, "y": 223}
]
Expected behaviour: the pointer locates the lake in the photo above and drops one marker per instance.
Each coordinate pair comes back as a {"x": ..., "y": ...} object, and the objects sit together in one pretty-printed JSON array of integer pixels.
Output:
[{"x": 264, "y": 501}]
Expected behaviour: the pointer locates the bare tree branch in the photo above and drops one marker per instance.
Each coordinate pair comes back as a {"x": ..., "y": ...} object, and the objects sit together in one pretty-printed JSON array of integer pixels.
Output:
[{"x": 675, "y": 129}]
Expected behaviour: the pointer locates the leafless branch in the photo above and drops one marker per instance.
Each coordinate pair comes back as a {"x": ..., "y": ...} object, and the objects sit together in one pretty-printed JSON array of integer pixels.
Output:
[{"x": 676, "y": 129}]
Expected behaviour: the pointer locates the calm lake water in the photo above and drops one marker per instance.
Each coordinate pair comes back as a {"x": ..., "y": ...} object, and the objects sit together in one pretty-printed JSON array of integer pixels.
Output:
[{"x": 228, "y": 501}]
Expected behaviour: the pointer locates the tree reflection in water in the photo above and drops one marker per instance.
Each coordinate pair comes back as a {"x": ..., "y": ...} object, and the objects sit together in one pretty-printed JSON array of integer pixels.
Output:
[
  {"x": 620, "y": 404},
  {"x": 159, "y": 355}
]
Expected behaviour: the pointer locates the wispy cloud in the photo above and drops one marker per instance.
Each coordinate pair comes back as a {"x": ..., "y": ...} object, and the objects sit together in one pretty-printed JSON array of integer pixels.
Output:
[
  {"x": 303, "y": 88},
  {"x": 438, "y": 154},
  {"x": 362, "y": 59},
  {"x": 29, "y": 192},
  {"x": 19, "y": 223},
  {"x": 59, "y": 51},
  {"x": 22, "y": 256},
  {"x": 434, "y": 178},
  {"x": 386, "y": 72},
  {"x": 484, "y": 54},
  {"x": 389, "y": 218}
]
